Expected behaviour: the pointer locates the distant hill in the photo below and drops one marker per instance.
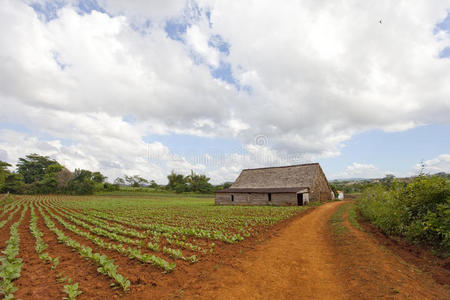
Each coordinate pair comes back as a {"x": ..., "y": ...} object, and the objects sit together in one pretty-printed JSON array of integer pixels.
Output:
[
  {"x": 355, "y": 179},
  {"x": 357, "y": 185}
]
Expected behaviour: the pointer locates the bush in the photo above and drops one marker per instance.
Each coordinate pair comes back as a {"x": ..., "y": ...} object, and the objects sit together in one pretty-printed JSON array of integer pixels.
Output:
[
  {"x": 419, "y": 211},
  {"x": 181, "y": 188},
  {"x": 13, "y": 184},
  {"x": 380, "y": 207}
]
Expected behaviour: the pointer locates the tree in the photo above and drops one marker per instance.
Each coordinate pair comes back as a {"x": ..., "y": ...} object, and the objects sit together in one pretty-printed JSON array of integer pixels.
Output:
[
  {"x": 49, "y": 182},
  {"x": 82, "y": 183},
  {"x": 153, "y": 184},
  {"x": 227, "y": 185},
  {"x": 98, "y": 177},
  {"x": 181, "y": 188},
  {"x": 199, "y": 183},
  {"x": 4, "y": 172},
  {"x": 13, "y": 184},
  {"x": 388, "y": 181},
  {"x": 64, "y": 177},
  {"x": 135, "y": 181},
  {"x": 34, "y": 166},
  {"x": 335, "y": 190},
  {"x": 38, "y": 174},
  {"x": 119, "y": 181},
  {"x": 174, "y": 180},
  {"x": 110, "y": 187}
]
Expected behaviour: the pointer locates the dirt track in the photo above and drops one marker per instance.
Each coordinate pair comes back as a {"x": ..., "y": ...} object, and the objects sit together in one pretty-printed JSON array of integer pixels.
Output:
[{"x": 306, "y": 260}]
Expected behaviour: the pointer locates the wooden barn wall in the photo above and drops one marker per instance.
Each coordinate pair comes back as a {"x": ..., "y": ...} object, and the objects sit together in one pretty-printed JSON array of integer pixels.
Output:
[
  {"x": 222, "y": 198},
  {"x": 256, "y": 199},
  {"x": 241, "y": 198},
  {"x": 320, "y": 189},
  {"x": 259, "y": 198},
  {"x": 284, "y": 199}
]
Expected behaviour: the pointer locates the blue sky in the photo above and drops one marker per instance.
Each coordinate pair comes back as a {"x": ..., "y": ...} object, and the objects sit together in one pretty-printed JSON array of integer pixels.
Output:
[
  {"x": 215, "y": 87},
  {"x": 176, "y": 30},
  {"x": 393, "y": 152},
  {"x": 444, "y": 26}
]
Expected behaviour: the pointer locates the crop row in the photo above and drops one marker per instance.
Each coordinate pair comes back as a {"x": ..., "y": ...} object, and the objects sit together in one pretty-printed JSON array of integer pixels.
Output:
[
  {"x": 11, "y": 215},
  {"x": 105, "y": 265},
  {"x": 130, "y": 252},
  {"x": 96, "y": 219},
  {"x": 71, "y": 289},
  {"x": 11, "y": 265}
]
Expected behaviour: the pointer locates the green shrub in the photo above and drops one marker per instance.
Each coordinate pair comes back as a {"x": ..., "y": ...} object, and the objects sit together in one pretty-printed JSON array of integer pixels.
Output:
[{"x": 419, "y": 211}]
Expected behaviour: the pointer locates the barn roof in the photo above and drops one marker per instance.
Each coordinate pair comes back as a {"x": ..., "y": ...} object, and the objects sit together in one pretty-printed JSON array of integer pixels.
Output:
[
  {"x": 278, "y": 177},
  {"x": 263, "y": 190}
]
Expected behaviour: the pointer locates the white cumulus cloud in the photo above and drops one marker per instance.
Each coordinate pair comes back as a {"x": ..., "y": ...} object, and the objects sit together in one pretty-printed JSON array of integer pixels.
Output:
[
  {"x": 358, "y": 170},
  {"x": 308, "y": 75},
  {"x": 436, "y": 165}
]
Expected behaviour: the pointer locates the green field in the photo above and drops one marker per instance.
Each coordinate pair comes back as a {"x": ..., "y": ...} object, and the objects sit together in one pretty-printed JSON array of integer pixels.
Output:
[{"x": 161, "y": 230}]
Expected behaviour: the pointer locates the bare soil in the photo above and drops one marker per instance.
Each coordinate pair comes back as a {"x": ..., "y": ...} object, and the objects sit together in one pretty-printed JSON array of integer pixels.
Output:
[
  {"x": 91, "y": 283},
  {"x": 372, "y": 270},
  {"x": 418, "y": 255},
  {"x": 36, "y": 279}
]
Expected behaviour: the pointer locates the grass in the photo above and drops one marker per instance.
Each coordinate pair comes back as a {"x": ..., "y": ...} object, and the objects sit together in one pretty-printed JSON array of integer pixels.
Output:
[
  {"x": 337, "y": 220},
  {"x": 353, "y": 217}
]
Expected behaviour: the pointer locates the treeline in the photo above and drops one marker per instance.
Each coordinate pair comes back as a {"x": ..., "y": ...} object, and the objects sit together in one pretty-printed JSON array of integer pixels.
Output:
[
  {"x": 36, "y": 174},
  {"x": 178, "y": 183},
  {"x": 192, "y": 183},
  {"x": 418, "y": 210}
]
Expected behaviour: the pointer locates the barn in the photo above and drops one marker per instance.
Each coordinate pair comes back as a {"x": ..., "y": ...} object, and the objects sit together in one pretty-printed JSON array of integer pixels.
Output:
[{"x": 287, "y": 185}]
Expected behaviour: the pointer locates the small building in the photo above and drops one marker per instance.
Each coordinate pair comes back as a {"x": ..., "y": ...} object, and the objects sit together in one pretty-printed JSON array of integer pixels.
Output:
[
  {"x": 340, "y": 195},
  {"x": 287, "y": 185}
]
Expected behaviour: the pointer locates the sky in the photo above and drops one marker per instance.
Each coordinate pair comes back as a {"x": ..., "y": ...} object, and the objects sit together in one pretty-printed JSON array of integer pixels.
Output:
[{"x": 147, "y": 87}]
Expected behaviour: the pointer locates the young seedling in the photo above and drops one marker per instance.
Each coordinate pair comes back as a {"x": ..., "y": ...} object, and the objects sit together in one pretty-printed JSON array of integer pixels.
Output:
[{"x": 72, "y": 291}]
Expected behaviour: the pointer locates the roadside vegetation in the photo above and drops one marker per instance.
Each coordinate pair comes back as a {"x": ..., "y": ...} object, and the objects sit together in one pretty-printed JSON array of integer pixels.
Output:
[
  {"x": 418, "y": 210},
  {"x": 356, "y": 186}
]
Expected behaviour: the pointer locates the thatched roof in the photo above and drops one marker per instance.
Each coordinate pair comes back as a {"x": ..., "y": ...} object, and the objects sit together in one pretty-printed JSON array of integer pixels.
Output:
[
  {"x": 263, "y": 190},
  {"x": 297, "y": 176}
]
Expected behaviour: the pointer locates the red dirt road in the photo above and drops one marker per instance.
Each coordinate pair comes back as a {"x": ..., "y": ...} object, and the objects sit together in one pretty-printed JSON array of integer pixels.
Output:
[{"x": 305, "y": 261}]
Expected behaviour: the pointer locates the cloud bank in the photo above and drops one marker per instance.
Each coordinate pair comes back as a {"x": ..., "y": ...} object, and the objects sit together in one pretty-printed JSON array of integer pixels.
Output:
[{"x": 87, "y": 83}]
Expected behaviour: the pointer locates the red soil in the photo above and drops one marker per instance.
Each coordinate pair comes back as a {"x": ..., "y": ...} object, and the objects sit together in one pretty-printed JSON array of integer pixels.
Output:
[
  {"x": 4, "y": 232},
  {"x": 36, "y": 279},
  {"x": 297, "y": 263},
  {"x": 91, "y": 283},
  {"x": 418, "y": 255},
  {"x": 371, "y": 270}
]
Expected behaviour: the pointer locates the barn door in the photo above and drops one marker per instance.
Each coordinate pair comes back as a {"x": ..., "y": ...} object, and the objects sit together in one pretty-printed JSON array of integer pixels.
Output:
[{"x": 300, "y": 199}]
